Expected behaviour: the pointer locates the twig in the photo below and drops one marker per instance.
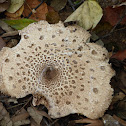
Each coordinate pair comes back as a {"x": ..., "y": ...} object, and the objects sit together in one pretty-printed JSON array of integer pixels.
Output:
[
  {"x": 23, "y": 106},
  {"x": 16, "y": 105},
  {"x": 35, "y": 8},
  {"x": 74, "y": 5}
]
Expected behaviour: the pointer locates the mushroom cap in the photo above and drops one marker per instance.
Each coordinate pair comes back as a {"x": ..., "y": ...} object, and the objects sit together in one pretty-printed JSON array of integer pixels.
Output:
[{"x": 61, "y": 70}]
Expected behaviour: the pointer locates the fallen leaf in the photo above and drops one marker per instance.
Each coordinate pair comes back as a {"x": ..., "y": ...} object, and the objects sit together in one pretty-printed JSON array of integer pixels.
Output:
[
  {"x": 11, "y": 33},
  {"x": 1, "y": 31},
  {"x": 14, "y": 100},
  {"x": 95, "y": 37},
  {"x": 120, "y": 120},
  {"x": 35, "y": 115},
  {"x": 52, "y": 16},
  {"x": 4, "y": 5},
  {"x": 112, "y": 15},
  {"x": 117, "y": 97},
  {"x": 22, "y": 122},
  {"x": 19, "y": 24},
  {"x": 33, "y": 123},
  {"x": 39, "y": 13},
  {"x": 118, "y": 5},
  {"x": 1, "y": 1},
  {"x": 5, "y": 26},
  {"x": 90, "y": 122},
  {"x": 23, "y": 115},
  {"x": 121, "y": 109},
  {"x": 87, "y": 15},
  {"x": 120, "y": 55},
  {"x": 17, "y": 14},
  {"x": 58, "y": 4},
  {"x": 2, "y": 43},
  {"x": 109, "y": 120},
  {"x": 106, "y": 3},
  {"x": 4, "y": 116},
  {"x": 15, "y": 5},
  {"x": 12, "y": 43}
]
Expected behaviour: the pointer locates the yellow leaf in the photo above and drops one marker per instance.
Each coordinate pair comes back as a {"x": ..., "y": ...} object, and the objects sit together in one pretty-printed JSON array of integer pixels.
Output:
[
  {"x": 87, "y": 15},
  {"x": 15, "y": 5}
]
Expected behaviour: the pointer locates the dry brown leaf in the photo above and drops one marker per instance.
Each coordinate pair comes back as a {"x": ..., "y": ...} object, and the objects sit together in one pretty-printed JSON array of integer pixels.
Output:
[
  {"x": 11, "y": 33},
  {"x": 120, "y": 55},
  {"x": 42, "y": 113},
  {"x": 15, "y": 15},
  {"x": 112, "y": 15},
  {"x": 58, "y": 4},
  {"x": 22, "y": 122},
  {"x": 117, "y": 97},
  {"x": 12, "y": 43},
  {"x": 23, "y": 115},
  {"x": 35, "y": 115},
  {"x": 4, "y": 117},
  {"x": 39, "y": 13},
  {"x": 119, "y": 120},
  {"x": 90, "y": 122},
  {"x": 5, "y": 26},
  {"x": 1, "y": 1},
  {"x": 33, "y": 123},
  {"x": 4, "y": 5},
  {"x": 2, "y": 43},
  {"x": 52, "y": 16}
]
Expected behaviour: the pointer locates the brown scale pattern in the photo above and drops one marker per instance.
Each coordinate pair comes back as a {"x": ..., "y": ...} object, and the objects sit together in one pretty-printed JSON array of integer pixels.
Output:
[{"x": 61, "y": 70}]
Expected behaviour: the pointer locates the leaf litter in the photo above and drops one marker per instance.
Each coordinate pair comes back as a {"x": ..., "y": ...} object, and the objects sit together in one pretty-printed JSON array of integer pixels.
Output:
[{"x": 13, "y": 113}]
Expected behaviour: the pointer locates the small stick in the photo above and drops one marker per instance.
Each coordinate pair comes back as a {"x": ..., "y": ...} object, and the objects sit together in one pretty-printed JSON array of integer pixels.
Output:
[{"x": 35, "y": 9}]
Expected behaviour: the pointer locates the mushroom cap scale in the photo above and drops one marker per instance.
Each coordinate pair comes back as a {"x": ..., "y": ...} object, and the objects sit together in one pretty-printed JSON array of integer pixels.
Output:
[{"x": 61, "y": 70}]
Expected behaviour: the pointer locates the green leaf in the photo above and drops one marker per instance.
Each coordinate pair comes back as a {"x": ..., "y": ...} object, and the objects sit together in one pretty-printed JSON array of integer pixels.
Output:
[
  {"x": 19, "y": 24},
  {"x": 15, "y": 5},
  {"x": 87, "y": 15}
]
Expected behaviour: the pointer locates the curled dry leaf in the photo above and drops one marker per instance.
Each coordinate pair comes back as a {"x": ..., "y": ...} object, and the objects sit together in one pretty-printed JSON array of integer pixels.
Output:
[
  {"x": 4, "y": 5},
  {"x": 15, "y": 5},
  {"x": 15, "y": 15}
]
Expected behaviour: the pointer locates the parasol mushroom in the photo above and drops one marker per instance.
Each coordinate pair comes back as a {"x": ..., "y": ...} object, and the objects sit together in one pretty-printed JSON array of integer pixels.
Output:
[{"x": 61, "y": 70}]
